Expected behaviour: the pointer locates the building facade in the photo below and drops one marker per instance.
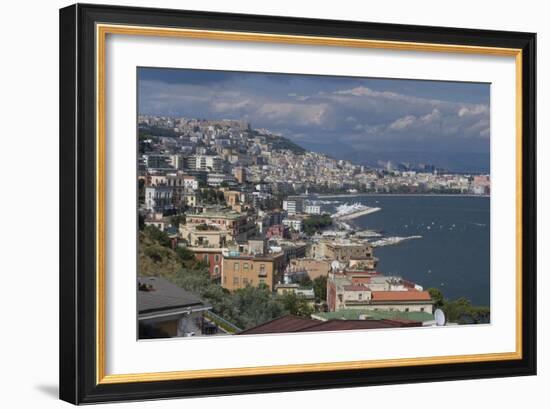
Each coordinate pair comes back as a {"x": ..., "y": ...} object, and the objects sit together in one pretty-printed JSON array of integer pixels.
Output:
[{"x": 240, "y": 271}]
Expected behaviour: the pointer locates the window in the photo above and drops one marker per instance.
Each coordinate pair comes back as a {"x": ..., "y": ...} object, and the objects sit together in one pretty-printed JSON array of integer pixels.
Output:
[
  {"x": 235, "y": 280},
  {"x": 245, "y": 266},
  {"x": 262, "y": 268},
  {"x": 422, "y": 309},
  {"x": 360, "y": 296},
  {"x": 216, "y": 270},
  {"x": 217, "y": 258},
  {"x": 236, "y": 267},
  {"x": 245, "y": 281}
]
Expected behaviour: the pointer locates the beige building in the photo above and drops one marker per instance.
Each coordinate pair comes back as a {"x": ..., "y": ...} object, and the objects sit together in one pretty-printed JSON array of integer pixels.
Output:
[
  {"x": 404, "y": 301},
  {"x": 183, "y": 196},
  {"x": 341, "y": 250},
  {"x": 157, "y": 220},
  {"x": 373, "y": 291},
  {"x": 238, "y": 224},
  {"x": 240, "y": 174},
  {"x": 314, "y": 267},
  {"x": 208, "y": 236},
  {"x": 177, "y": 179},
  {"x": 234, "y": 199},
  {"x": 240, "y": 271}
]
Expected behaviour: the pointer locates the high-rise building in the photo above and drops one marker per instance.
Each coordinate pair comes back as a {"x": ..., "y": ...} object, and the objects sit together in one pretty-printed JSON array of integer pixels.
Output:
[{"x": 208, "y": 163}]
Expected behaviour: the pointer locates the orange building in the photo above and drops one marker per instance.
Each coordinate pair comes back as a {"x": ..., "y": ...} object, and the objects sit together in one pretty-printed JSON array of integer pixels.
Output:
[{"x": 240, "y": 270}]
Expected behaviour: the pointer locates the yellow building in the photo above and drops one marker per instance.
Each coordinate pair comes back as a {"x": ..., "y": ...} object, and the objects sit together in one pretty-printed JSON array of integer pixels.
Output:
[{"x": 241, "y": 270}]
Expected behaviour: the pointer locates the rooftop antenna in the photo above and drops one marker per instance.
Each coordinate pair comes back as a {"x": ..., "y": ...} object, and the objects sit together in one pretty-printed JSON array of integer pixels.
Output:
[{"x": 439, "y": 317}]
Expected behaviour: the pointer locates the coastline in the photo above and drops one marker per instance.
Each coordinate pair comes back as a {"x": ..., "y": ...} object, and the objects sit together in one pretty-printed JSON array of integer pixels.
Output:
[{"x": 325, "y": 196}]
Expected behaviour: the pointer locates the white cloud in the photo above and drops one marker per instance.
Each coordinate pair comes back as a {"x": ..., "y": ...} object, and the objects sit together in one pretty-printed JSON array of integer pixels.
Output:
[
  {"x": 403, "y": 122},
  {"x": 347, "y": 115}
]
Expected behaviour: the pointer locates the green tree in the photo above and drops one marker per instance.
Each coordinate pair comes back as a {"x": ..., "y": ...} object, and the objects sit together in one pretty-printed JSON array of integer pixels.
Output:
[
  {"x": 194, "y": 280},
  {"x": 320, "y": 288},
  {"x": 155, "y": 234},
  {"x": 295, "y": 304},
  {"x": 315, "y": 223},
  {"x": 462, "y": 311},
  {"x": 437, "y": 297},
  {"x": 184, "y": 254},
  {"x": 251, "y": 306},
  {"x": 177, "y": 219},
  {"x": 305, "y": 281}
]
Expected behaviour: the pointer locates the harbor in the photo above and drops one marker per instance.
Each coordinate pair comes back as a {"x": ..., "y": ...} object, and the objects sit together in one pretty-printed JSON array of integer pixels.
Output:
[{"x": 353, "y": 211}]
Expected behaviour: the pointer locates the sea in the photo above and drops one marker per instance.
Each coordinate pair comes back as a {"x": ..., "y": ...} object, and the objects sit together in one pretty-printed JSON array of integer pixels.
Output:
[{"x": 454, "y": 251}]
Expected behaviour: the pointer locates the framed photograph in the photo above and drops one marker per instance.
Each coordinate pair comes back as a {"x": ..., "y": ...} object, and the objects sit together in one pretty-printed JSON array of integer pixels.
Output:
[{"x": 258, "y": 203}]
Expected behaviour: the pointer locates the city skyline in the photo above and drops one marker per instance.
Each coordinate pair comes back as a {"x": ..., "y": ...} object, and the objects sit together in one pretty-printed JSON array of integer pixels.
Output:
[{"x": 360, "y": 119}]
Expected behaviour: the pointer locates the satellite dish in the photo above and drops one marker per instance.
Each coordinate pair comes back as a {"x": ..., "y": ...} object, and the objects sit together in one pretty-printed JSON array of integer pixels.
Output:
[{"x": 439, "y": 317}]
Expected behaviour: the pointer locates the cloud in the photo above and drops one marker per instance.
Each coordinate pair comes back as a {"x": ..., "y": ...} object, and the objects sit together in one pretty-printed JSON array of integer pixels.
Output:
[
  {"x": 354, "y": 116},
  {"x": 403, "y": 122}
]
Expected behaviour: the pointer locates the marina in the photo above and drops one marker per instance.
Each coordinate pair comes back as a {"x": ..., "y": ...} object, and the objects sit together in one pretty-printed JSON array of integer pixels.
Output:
[{"x": 353, "y": 211}]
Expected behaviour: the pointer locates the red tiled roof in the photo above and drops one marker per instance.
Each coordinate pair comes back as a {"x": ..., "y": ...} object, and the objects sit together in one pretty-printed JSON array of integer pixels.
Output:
[
  {"x": 290, "y": 323},
  {"x": 287, "y": 323},
  {"x": 400, "y": 296},
  {"x": 342, "y": 325}
]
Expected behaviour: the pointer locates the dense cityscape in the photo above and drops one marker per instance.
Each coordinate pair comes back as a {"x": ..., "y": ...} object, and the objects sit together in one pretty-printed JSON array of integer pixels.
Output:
[{"x": 237, "y": 235}]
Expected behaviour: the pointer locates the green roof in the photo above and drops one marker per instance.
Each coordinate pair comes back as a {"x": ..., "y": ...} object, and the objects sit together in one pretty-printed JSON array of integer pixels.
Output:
[{"x": 353, "y": 314}]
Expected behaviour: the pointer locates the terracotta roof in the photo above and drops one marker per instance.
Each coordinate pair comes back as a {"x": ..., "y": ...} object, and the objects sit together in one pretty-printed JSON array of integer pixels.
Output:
[
  {"x": 342, "y": 325},
  {"x": 401, "y": 296},
  {"x": 286, "y": 323},
  {"x": 290, "y": 323}
]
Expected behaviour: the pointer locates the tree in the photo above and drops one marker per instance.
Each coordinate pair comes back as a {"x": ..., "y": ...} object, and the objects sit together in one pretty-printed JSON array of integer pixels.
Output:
[
  {"x": 320, "y": 288},
  {"x": 315, "y": 223},
  {"x": 194, "y": 280},
  {"x": 462, "y": 311},
  {"x": 437, "y": 297},
  {"x": 296, "y": 304},
  {"x": 177, "y": 219},
  {"x": 304, "y": 281},
  {"x": 155, "y": 234},
  {"x": 184, "y": 254},
  {"x": 251, "y": 306}
]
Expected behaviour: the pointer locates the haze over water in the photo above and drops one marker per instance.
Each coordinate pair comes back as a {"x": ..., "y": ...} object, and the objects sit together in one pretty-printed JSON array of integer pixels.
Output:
[{"x": 454, "y": 251}]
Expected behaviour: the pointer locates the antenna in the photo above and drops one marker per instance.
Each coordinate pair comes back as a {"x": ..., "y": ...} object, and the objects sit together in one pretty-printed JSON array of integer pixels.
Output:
[{"x": 439, "y": 317}]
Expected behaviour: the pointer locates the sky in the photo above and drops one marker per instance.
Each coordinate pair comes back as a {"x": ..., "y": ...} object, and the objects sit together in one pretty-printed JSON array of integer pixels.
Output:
[{"x": 360, "y": 119}]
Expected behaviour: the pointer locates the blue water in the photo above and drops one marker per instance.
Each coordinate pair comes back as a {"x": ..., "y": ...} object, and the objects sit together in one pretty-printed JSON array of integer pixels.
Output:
[{"x": 454, "y": 251}]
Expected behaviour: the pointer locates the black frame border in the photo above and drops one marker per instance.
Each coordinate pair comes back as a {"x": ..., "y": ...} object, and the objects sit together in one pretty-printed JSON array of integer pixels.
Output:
[{"x": 78, "y": 197}]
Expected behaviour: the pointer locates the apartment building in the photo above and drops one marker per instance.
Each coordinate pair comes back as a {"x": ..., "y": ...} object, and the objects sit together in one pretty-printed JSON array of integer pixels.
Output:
[{"x": 241, "y": 270}]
